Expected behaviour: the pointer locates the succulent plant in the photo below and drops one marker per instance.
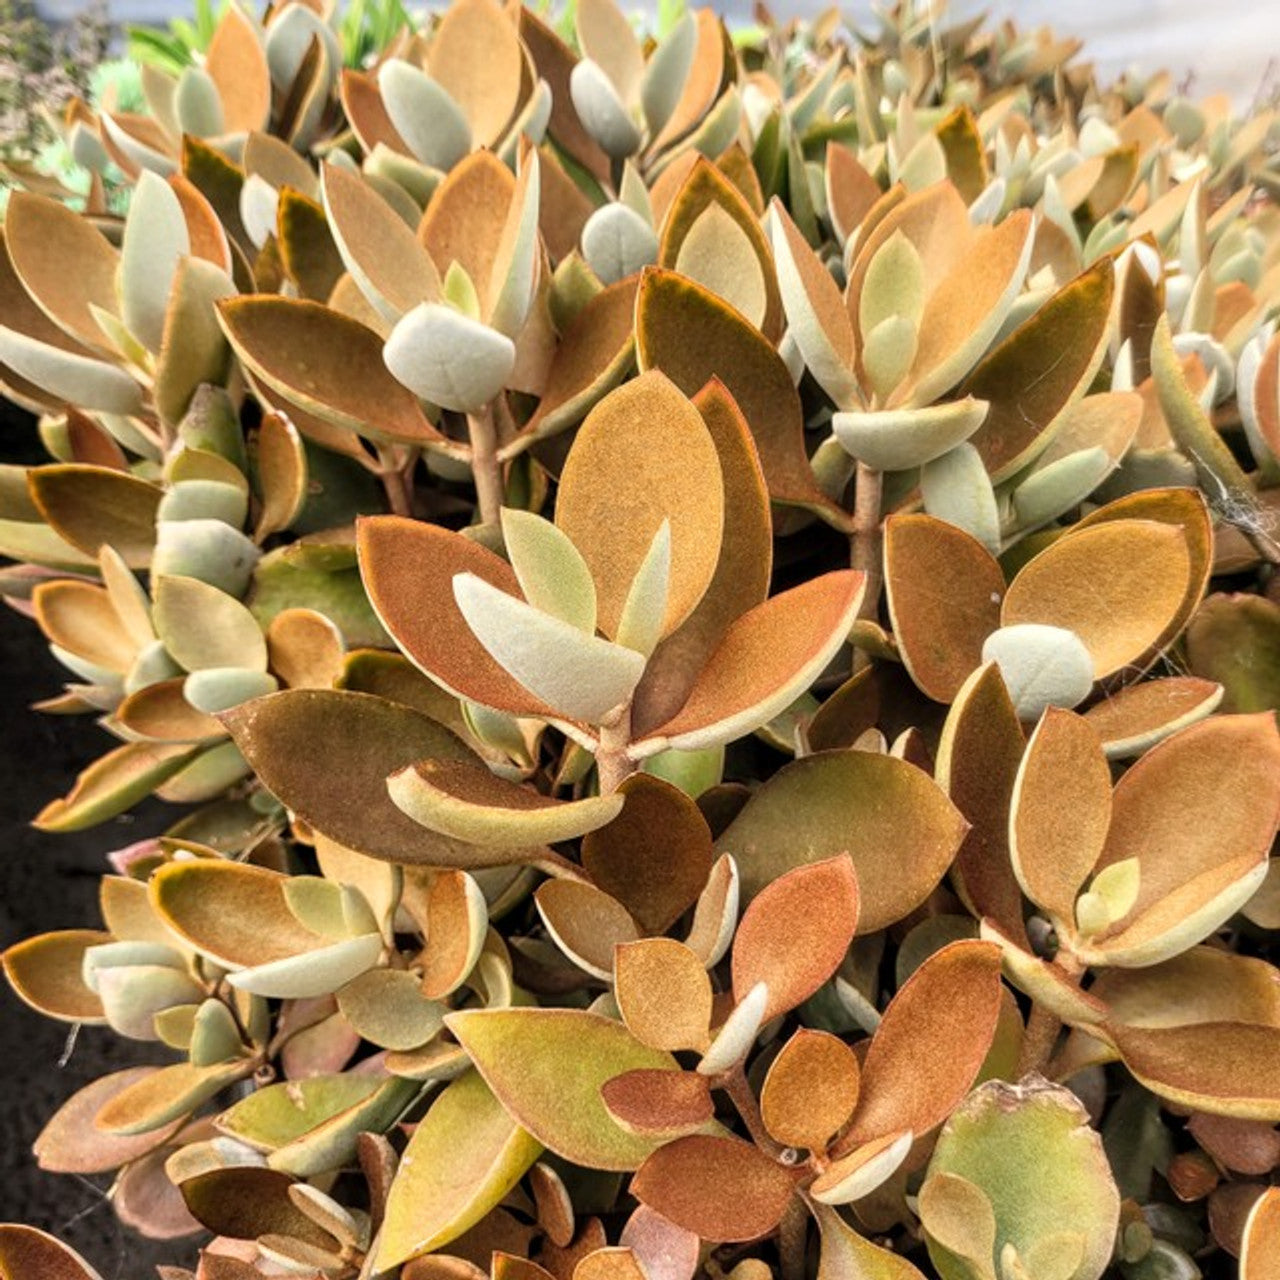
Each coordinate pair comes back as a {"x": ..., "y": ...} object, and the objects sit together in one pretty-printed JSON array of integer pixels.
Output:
[{"x": 711, "y": 604}]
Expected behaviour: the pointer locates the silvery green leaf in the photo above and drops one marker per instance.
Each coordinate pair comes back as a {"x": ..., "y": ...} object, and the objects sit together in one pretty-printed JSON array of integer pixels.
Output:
[
  {"x": 720, "y": 126},
  {"x": 617, "y": 241},
  {"x": 531, "y": 123},
  {"x": 418, "y": 179},
  {"x": 1042, "y": 666},
  {"x": 868, "y": 1175},
  {"x": 1055, "y": 209},
  {"x": 806, "y": 329},
  {"x": 258, "y": 204},
  {"x": 582, "y": 676},
  {"x": 924, "y": 164},
  {"x": 1246, "y": 391},
  {"x": 288, "y": 39},
  {"x": 1053, "y": 489},
  {"x": 888, "y": 352},
  {"x": 551, "y": 571},
  {"x": 425, "y": 116},
  {"x": 1191, "y": 235},
  {"x": 633, "y": 193},
  {"x": 1185, "y": 119},
  {"x": 459, "y": 291},
  {"x": 449, "y": 359},
  {"x": 143, "y": 156},
  {"x": 897, "y": 439},
  {"x": 640, "y": 624},
  {"x": 894, "y": 284},
  {"x": 208, "y": 777},
  {"x": 152, "y": 665},
  {"x": 1122, "y": 369},
  {"x": 792, "y": 357},
  {"x": 204, "y": 627},
  {"x": 124, "y": 955},
  {"x": 666, "y": 72},
  {"x": 1215, "y": 359},
  {"x": 218, "y": 689},
  {"x": 313, "y": 973},
  {"x": 806, "y": 106},
  {"x": 155, "y": 237},
  {"x": 86, "y": 670},
  {"x": 132, "y": 997},
  {"x": 957, "y": 489},
  {"x": 205, "y": 500},
  {"x": 513, "y": 294},
  {"x": 196, "y": 103},
  {"x": 206, "y": 549},
  {"x": 832, "y": 468},
  {"x": 734, "y": 1039},
  {"x": 214, "y": 1034},
  {"x": 86, "y": 148},
  {"x": 602, "y": 112},
  {"x": 990, "y": 200},
  {"x": 81, "y": 380}
]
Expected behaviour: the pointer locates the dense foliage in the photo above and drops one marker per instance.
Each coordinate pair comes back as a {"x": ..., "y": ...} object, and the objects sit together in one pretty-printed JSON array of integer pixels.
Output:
[{"x": 710, "y": 604}]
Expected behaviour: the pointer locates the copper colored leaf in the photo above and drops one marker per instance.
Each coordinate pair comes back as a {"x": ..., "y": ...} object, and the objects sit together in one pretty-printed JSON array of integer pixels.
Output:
[
  {"x": 1140, "y": 715},
  {"x": 26, "y": 1252},
  {"x": 463, "y": 1157},
  {"x": 1116, "y": 585},
  {"x": 930, "y": 1043},
  {"x": 741, "y": 578},
  {"x": 664, "y": 993},
  {"x": 1040, "y": 368},
  {"x": 795, "y": 933},
  {"x": 722, "y": 1189},
  {"x": 656, "y": 878},
  {"x": 64, "y": 262},
  {"x": 585, "y": 923},
  {"x": 455, "y": 924},
  {"x": 610, "y": 1264},
  {"x": 707, "y": 187},
  {"x": 664, "y": 1104},
  {"x": 69, "y": 1142},
  {"x": 940, "y": 633},
  {"x": 547, "y": 1066},
  {"x": 327, "y": 363},
  {"x": 1260, "y": 1247},
  {"x": 895, "y": 823},
  {"x": 475, "y": 56},
  {"x": 113, "y": 783},
  {"x": 643, "y": 456},
  {"x": 1061, "y": 808},
  {"x": 235, "y": 913},
  {"x": 246, "y": 1203},
  {"x": 594, "y": 355},
  {"x": 1224, "y": 1068},
  {"x": 92, "y": 507},
  {"x": 767, "y": 658},
  {"x": 666, "y": 1251},
  {"x": 692, "y": 337},
  {"x": 408, "y": 569},
  {"x": 44, "y": 971},
  {"x": 977, "y": 763},
  {"x": 467, "y": 801},
  {"x": 1199, "y": 813},
  {"x": 327, "y": 754},
  {"x": 238, "y": 67},
  {"x": 810, "y": 1090}
]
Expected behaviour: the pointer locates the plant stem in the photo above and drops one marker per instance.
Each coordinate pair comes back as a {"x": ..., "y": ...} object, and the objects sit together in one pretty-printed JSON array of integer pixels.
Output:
[
  {"x": 394, "y": 471},
  {"x": 485, "y": 467},
  {"x": 793, "y": 1239},
  {"x": 1043, "y": 1025},
  {"x": 868, "y": 494},
  {"x": 734, "y": 1083},
  {"x": 613, "y": 765}
]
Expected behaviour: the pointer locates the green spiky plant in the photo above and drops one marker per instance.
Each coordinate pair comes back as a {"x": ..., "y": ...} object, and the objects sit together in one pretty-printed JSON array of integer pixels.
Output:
[{"x": 711, "y": 607}]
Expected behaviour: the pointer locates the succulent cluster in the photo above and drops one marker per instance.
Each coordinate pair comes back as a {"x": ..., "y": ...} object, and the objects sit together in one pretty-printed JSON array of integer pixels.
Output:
[{"x": 711, "y": 604}]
